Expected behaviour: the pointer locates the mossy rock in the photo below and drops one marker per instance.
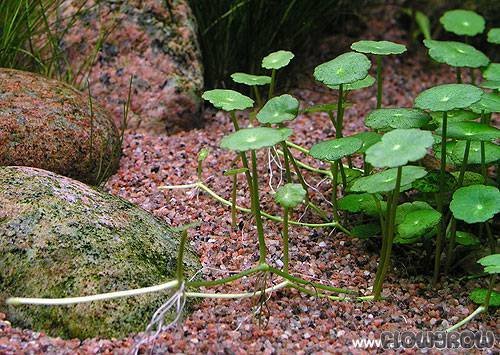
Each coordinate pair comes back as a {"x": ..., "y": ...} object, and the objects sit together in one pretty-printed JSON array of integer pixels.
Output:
[{"x": 61, "y": 238}]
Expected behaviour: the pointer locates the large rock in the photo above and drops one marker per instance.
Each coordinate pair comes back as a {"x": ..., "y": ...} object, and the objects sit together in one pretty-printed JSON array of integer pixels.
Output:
[
  {"x": 61, "y": 238},
  {"x": 152, "y": 40},
  {"x": 47, "y": 124}
]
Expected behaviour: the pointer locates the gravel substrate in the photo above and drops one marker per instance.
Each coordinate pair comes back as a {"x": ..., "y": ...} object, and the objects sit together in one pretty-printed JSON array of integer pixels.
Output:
[{"x": 290, "y": 321}]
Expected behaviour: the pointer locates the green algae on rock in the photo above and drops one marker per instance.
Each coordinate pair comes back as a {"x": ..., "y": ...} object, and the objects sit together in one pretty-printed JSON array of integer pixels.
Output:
[
  {"x": 47, "y": 124},
  {"x": 61, "y": 238}
]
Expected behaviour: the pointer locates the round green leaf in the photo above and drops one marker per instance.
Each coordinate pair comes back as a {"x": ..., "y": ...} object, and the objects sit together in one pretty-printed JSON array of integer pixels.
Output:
[
  {"x": 388, "y": 118},
  {"x": 361, "y": 203},
  {"x": 378, "y": 47},
  {"x": 448, "y": 97},
  {"x": 227, "y": 100},
  {"x": 491, "y": 152},
  {"x": 492, "y": 72},
  {"x": 345, "y": 69},
  {"x": 494, "y": 35},
  {"x": 478, "y": 296},
  {"x": 471, "y": 131},
  {"x": 490, "y": 102},
  {"x": 254, "y": 138},
  {"x": 251, "y": 80},
  {"x": 364, "y": 231},
  {"x": 279, "y": 109},
  {"x": 491, "y": 263},
  {"x": 462, "y": 22},
  {"x": 491, "y": 84},
  {"x": 456, "y": 54},
  {"x": 416, "y": 224},
  {"x": 277, "y": 60},
  {"x": 408, "y": 207},
  {"x": 290, "y": 195},
  {"x": 359, "y": 84},
  {"x": 386, "y": 180},
  {"x": 470, "y": 178},
  {"x": 454, "y": 116},
  {"x": 465, "y": 239},
  {"x": 368, "y": 139},
  {"x": 475, "y": 203},
  {"x": 399, "y": 147},
  {"x": 335, "y": 149}
]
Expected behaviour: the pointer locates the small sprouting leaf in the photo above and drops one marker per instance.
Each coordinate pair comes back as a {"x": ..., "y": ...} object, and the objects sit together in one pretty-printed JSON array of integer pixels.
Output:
[
  {"x": 454, "y": 116},
  {"x": 416, "y": 224},
  {"x": 251, "y": 80},
  {"x": 472, "y": 131},
  {"x": 364, "y": 231},
  {"x": 279, "y": 109},
  {"x": 378, "y": 47},
  {"x": 456, "y": 54},
  {"x": 335, "y": 149},
  {"x": 368, "y": 139},
  {"x": 386, "y": 180},
  {"x": 424, "y": 24},
  {"x": 491, "y": 263},
  {"x": 430, "y": 182},
  {"x": 290, "y": 195},
  {"x": 254, "y": 138},
  {"x": 492, "y": 72},
  {"x": 475, "y": 203},
  {"x": 494, "y": 35},
  {"x": 233, "y": 172},
  {"x": 465, "y": 239},
  {"x": 277, "y": 60},
  {"x": 227, "y": 100},
  {"x": 203, "y": 154},
  {"x": 462, "y": 22},
  {"x": 470, "y": 178},
  {"x": 344, "y": 69},
  {"x": 357, "y": 85},
  {"x": 448, "y": 97},
  {"x": 478, "y": 296},
  {"x": 491, "y": 152},
  {"x": 388, "y": 118},
  {"x": 361, "y": 203},
  {"x": 399, "y": 147},
  {"x": 490, "y": 102}
]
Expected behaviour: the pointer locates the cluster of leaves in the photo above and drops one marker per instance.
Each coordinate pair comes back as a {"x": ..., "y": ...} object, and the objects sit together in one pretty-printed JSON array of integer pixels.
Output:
[{"x": 454, "y": 120}]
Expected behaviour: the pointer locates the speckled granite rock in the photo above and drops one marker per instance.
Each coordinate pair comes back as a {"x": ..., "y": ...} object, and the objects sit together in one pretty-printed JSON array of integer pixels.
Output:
[
  {"x": 61, "y": 238},
  {"x": 47, "y": 124},
  {"x": 152, "y": 40}
]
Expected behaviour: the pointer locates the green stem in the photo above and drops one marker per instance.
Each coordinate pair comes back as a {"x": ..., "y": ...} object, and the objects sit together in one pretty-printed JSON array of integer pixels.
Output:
[
  {"x": 272, "y": 85},
  {"x": 243, "y": 155},
  {"x": 451, "y": 245},
  {"x": 262, "y": 267},
  {"x": 342, "y": 174},
  {"x": 390, "y": 234},
  {"x": 459, "y": 75},
  {"x": 379, "y": 80},
  {"x": 492, "y": 241},
  {"x": 483, "y": 152},
  {"x": 467, "y": 319},
  {"x": 340, "y": 112},
  {"x": 256, "y": 208},
  {"x": 464, "y": 164},
  {"x": 440, "y": 201},
  {"x": 179, "y": 270},
  {"x": 298, "y": 147},
  {"x": 285, "y": 240},
  {"x": 486, "y": 303},
  {"x": 367, "y": 166},
  {"x": 288, "y": 173},
  {"x": 335, "y": 170},
  {"x": 233, "y": 201},
  {"x": 383, "y": 250},
  {"x": 238, "y": 295},
  {"x": 258, "y": 98},
  {"x": 287, "y": 152}
]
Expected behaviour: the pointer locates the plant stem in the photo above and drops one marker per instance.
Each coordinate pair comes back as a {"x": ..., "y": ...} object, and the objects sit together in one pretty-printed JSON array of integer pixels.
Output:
[
  {"x": 459, "y": 75},
  {"x": 440, "y": 201},
  {"x": 85, "y": 299},
  {"x": 483, "y": 153},
  {"x": 464, "y": 164},
  {"x": 379, "y": 80},
  {"x": 261, "y": 267},
  {"x": 272, "y": 85},
  {"x": 238, "y": 295},
  {"x": 243, "y": 155},
  {"x": 467, "y": 319},
  {"x": 258, "y": 98},
  {"x": 390, "y": 234},
  {"x": 492, "y": 241},
  {"x": 287, "y": 151},
  {"x": 288, "y": 173},
  {"x": 340, "y": 113},
  {"x": 285, "y": 240},
  {"x": 256, "y": 210},
  {"x": 335, "y": 169},
  {"x": 490, "y": 290},
  {"x": 342, "y": 174},
  {"x": 179, "y": 270},
  {"x": 233, "y": 201},
  {"x": 451, "y": 245},
  {"x": 367, "y": 166},
  {"x": 383, "y": 249},
  {"x": 298, "y": 147}
]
